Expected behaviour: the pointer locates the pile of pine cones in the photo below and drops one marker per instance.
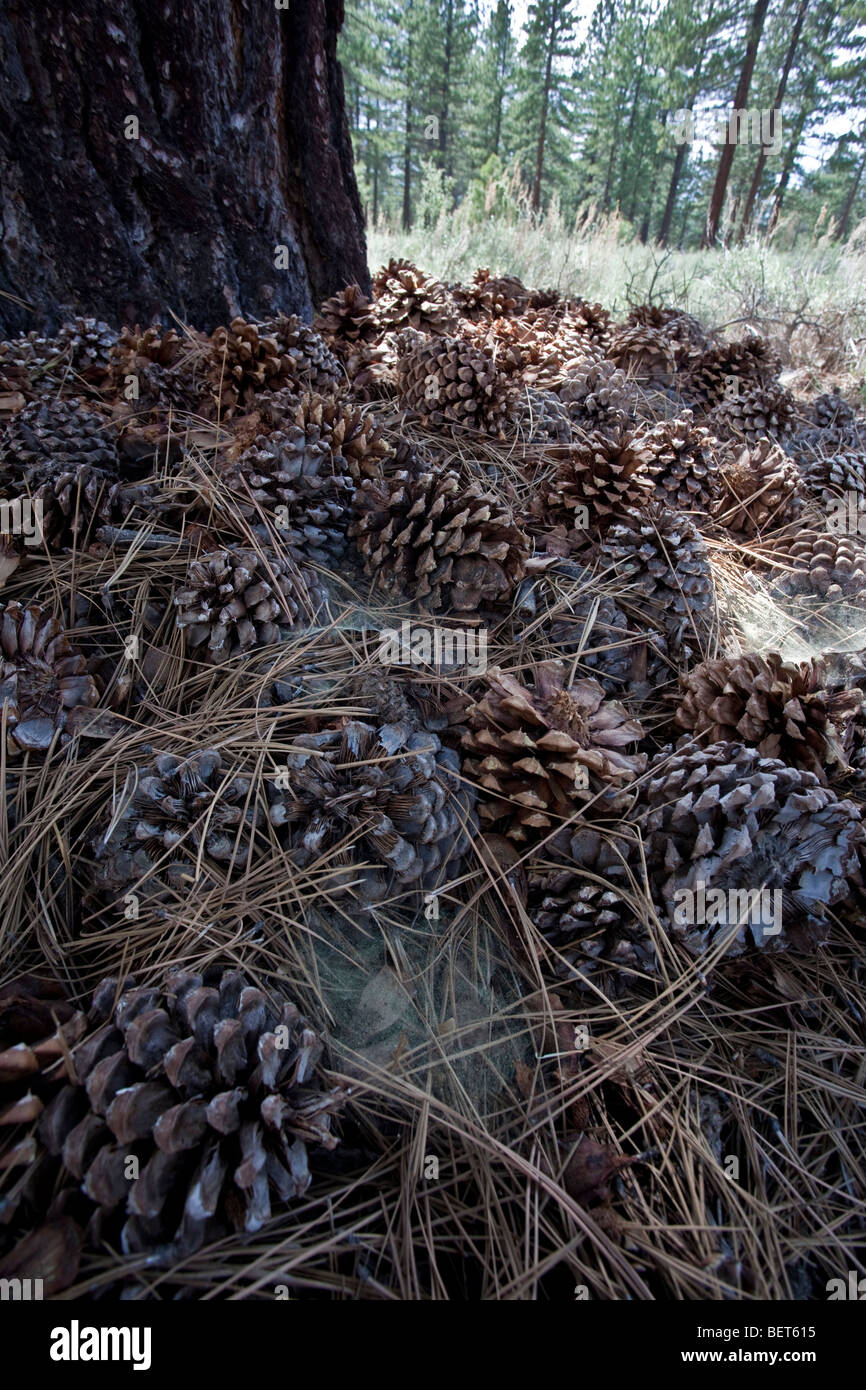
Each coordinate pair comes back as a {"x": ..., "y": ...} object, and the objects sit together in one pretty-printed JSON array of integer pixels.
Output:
[{"x": 483, "y": 457}]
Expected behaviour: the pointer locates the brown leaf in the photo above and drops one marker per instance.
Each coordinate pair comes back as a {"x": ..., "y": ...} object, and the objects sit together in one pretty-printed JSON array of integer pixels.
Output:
[
  {"x": 51, "y": 1253},
  {"x": 590, "y": 1169}
]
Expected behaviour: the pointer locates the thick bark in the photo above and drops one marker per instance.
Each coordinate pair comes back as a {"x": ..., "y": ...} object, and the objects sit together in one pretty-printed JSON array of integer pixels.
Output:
[
  {"x": 741, "y": 97},
  {"x": 682, "y": 149},
  {"x": 777, "y": 106},
  {"x": 241, "y": 147}
]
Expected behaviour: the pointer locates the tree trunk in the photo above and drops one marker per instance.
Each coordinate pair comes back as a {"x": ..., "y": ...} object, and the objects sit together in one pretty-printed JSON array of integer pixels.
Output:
[
  {"x": 741, "y": 96},
  {"x": 777, "y": 106},
  {"x": 542, "y": 129},
  {"x": 157, "y": 157},
  {"x": 842, "y": 230}
]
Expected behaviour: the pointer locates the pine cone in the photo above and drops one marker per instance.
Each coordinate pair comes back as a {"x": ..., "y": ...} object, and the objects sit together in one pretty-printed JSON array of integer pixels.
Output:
[
  {"x": 42, "y": 678},
  {"x": 830, "y": 411},
  {"x": 840, "y": 472},
  {"x": 209, "y": 1084},
  {"x": 683, "y": 464},
  {"x": 663, "y": 557},
  {"x": 63, "y": 434},
  {"x": 676, "y": 324},
  {"x": 233, "y": 601},
  {"x": 539, "y": 754},
  {"x": 760, "y": 412},
  {"x": 347, "y": 317},
  {"x": 407, "y": 298},
  {"x": 490, "y": 297},
  {"x": 596, "y": 394},
  {"x": 648, "y": 355},
  {"x": 781, "y": 708},
  {"x": 247, "y": 358},
  {"x": 828, "y": 566},
  {"x": 706, "y": 376},
  {"x": 584, "y": 910},
  {"x": 303, "y": 475},
  {"x": 622, "y": 660},
  {"x": 593, "y": 322},
  {"x": 38, "y": 1027},
  {"x": 170, "y": 373},
  {"x": 603, "y": 473},
  {"x": 760, "y": 490},
  {"x": 181, "y": 810},
  {"x": 447, "y": 380},
  {"x": 390, "y": 795},
  {"x": 726, "y": 818},
  {"x": 438, "y": 540}
]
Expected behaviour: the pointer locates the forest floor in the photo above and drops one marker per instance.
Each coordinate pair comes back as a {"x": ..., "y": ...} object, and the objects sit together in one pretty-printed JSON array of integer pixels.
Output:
[{"x": 511, "y": 1129}]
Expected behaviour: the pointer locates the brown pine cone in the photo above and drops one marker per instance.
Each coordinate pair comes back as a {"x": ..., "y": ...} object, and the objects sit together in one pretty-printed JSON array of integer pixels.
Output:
[
  {"x": 42, "y": 678},
  {"x": 683, "y": 464},
  {"x": 587, "y": 909},
  {"x": 404, "y": 297},
  {"x": 596, "y": 395},
  {"x": 648, "y": 355},
  {"x": 538, "y": 754},
  {"x": 679, "y": 326},
  {"x": 390, "y": 795},
  {"x": 761, "y": 490},
  {"x": 184, "y": 814},
  {"x": 781, "y": 708},
  {"x": 234, "y": 600},
  {"x": 209, "y": 1084},
  {"x": 440, "y": 541},
  {"x": 828, "y": 566},
  {"x": 490, "y": 297},
  {"x": 706, "y": 375},
  {"x": 830, "y": 411},
  {"x": 347, "y": 317},
  {"x": 660, "y": 555},
  {"x": 303, "y": 474},
  {"x": 448, "y": 381},
  {"x": 756, "y": 413},
  {"x": 62, "y": 434},
  {"x": 726, "y": 818},
  {"x": 599, "y": 475},
  {"x": 247, "y": 358}
]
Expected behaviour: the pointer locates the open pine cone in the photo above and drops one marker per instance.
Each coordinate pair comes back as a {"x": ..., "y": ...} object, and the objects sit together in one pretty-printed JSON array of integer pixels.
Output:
[
  {"x": 648, "y": 355},
  {"x": 449, "y": 381},
  {"x": 490, "y": 297},
  {"x": 65, "y": 435},
  {"x": 210, "y": 1085},
  {"x": 684, "y": 467},
  {"x": 726, "y": 818},
  {"x": 604, "y": 473},
  {"x": 405, "y": 297},
  {"x": 661, "y": 557},
  {"x": 235, "y": 599},
  {"x": 42, "y": 678},
  {"x": 781, "y": 708},
  {"x": 247, "y": 358},
  {"x": 596, "y": 395},
  {"x": 347, "y": 317},
  {"x": 432, "y": 537},
  {"x": 756, "y": 413},
  {"x": 585, "y": 909},
  {"x": 303, "y": 474},
  {"x": 538, "y": 754},
  {"x": 761, "y": 490},
  {"x": 389, "y": 794},
  {"x": 707, "y": 376},
  {"x": 180, "y": 809},
  {"x": 824, "y": 565}
]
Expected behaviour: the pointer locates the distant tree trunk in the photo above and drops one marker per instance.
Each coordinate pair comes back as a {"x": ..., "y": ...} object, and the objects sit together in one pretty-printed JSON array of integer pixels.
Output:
[
  {"x": 792, "y": 146},
  {"x": 682, "y": 150},
  {"x": 542, "y": 129},
  {"x": 842, "y": 229},
  {"x": 777, "y": 106},
  {"x": 407, "y": 142},
  {"x": 444, "y": 113},
  {"x": 157, "y": 157},
  {"x": 741, "y": 96}
]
